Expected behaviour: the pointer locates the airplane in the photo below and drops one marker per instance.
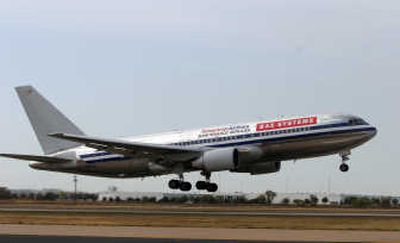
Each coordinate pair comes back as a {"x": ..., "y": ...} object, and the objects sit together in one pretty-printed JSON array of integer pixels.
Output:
[{"x": 254, "y": 148}]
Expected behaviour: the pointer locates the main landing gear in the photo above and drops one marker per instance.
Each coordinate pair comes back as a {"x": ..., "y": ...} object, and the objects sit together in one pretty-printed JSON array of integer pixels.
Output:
[
  {"x": 187, "y": 186},
  {"x": 206, "y": 185},
  {"x": 345, "y": 157},
  {"x": 180, "y": 184}
]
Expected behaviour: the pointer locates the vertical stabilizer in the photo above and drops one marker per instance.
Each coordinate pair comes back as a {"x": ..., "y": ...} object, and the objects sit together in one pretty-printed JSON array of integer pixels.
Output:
[{"x": 46, "y": 119}]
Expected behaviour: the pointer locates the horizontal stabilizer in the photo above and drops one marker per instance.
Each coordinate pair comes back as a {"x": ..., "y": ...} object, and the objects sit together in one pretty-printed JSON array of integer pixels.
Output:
[{"x": 44, "y": 159}]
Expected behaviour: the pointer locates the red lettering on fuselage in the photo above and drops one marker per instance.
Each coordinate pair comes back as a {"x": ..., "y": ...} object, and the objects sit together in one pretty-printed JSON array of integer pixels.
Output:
[{"x": 298, "y": 122}]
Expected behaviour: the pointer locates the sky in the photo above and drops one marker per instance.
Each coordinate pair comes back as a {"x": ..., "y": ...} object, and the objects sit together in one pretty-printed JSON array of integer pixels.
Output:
[{"x": 125, "y": 68}]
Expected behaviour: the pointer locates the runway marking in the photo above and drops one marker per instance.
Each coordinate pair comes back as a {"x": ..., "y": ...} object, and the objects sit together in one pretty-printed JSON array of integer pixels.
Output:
[{"x": 201, "y": 233}]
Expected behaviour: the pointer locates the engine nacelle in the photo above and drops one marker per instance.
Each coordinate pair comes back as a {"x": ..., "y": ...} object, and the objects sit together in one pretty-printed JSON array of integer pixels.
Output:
[
  {"x": 261, "y": 168},
  {"x": 218, "y": 159}
]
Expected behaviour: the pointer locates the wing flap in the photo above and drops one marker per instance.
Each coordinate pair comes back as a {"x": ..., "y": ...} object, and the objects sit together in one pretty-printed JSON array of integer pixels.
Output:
[{"x": 44, "y": 159}]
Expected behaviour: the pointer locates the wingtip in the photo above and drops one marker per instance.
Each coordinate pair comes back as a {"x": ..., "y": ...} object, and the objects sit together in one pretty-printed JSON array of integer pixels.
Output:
[
  {"x": 56, "y": 135},
  {"x": 6, "y": 155}
]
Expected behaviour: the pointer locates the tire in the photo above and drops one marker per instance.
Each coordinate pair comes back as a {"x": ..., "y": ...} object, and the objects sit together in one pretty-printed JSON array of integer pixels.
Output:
[
  {"x": 201, "y": 185},
  {"x": 344, "y": 167},
  {"x": 174, "y": 184},
  {"x": 212, "y": 187},
  {"x": 185, "y": 186}
]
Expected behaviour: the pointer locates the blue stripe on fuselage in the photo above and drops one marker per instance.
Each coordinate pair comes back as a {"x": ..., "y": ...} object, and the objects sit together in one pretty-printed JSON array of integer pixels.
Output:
[
  {"x": 291, "y": 137},
  {"x": 84, "y": 156}
]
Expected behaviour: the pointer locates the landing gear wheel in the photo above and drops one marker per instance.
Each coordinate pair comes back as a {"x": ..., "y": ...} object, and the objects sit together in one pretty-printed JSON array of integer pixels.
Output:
[
  {"x": 206, "y": 185},
  {"x": 344, "y": 167},
  {"x": 185, "y": 186},
  {"x": 201, "y": 185},
  {"x": 174, "y": 184},
  {"x": 212, "y": 187}
]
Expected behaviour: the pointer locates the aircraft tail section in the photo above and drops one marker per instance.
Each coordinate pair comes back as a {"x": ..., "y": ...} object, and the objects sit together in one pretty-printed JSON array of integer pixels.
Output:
[{"x": 46, "y": 119}]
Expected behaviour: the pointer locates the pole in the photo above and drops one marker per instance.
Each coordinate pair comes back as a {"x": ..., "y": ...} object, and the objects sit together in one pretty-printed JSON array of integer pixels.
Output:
[{"x": 75, "y": 187}]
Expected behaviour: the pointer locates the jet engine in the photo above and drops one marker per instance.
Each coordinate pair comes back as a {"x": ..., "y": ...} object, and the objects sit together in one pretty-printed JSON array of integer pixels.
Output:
[
  {"x": 218, "y": 159},
  {"x": 227, "y": 158}
]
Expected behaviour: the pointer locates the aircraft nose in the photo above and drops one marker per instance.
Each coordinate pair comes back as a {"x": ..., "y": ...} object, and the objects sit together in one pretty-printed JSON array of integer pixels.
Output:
[{"x": 373, "y": 132}]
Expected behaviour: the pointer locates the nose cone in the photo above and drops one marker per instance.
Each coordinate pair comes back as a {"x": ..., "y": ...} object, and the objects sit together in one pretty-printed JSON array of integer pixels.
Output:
[{"x": 373, "y": 132}]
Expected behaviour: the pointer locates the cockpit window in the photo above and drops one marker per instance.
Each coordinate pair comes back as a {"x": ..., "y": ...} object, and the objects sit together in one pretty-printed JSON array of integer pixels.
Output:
[{"x": 357, "y": 121}]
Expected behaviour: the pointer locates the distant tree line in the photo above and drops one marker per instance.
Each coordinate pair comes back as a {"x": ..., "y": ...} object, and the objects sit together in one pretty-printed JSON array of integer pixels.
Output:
[
  {"x": 312, "y": 200},
  {"x": 4, "y": 193},
  {"x": 51, "y": 196},
  {"x": 265, "y": 199},
  {"x": 370, "y": 202}
]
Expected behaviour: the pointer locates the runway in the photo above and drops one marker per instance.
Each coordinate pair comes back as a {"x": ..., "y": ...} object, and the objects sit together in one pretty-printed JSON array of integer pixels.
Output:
[
  {"x": 68, "y": 239},
  {"x": 188, "y": 212},
  {"x": 174, "y": 234},
  {"x": 194, "y": 223}
]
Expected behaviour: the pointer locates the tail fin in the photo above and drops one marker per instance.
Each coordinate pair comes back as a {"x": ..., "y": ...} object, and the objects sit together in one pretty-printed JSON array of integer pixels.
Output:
[{"x": 46, "y": 119}]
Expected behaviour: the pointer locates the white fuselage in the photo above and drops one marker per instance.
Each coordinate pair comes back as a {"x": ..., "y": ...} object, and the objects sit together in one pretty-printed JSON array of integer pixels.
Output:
[{"x": 272, "y": 141}]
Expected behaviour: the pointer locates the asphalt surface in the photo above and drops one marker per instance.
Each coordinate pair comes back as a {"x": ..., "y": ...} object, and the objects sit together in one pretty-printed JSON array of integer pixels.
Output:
[
  {"x": 287, "y": 213},
  {"x": 69, "y": 239},
  {"x": 98, "y": 234}
]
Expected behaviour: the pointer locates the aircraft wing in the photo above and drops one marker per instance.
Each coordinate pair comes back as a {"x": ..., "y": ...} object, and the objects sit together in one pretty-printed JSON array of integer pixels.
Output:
[
  {"x": 119, "y": 146},
  {"x": 45, "y": 159}
]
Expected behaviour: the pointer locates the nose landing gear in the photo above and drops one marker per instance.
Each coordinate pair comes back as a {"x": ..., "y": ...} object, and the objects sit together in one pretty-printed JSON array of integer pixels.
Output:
[
  {"x": 344, "y": 167},
  {"x": 345, "y": 157}
]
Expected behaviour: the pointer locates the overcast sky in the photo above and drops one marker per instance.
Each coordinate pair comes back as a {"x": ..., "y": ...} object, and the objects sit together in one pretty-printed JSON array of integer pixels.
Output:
[{"x": 122, "y": 68}]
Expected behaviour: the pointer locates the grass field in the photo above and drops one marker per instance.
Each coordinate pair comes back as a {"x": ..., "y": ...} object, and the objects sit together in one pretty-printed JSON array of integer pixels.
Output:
[
  {"x": 214, "y": 221},
  {"x": 184, "y": 207},
  {"x": 324, "y": 223}
]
